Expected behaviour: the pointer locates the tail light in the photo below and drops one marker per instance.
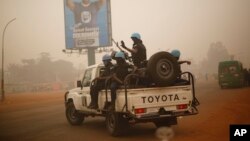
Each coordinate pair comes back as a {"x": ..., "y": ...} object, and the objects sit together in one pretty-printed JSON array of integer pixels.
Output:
[
  {"x": 182, "y": 106},
  {"x": 140, "y": 110}
]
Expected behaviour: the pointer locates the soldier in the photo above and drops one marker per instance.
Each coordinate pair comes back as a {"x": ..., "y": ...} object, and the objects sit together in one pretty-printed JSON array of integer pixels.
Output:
[
  {"x": 121, "y": 70},
  {"x": 177, "y": 54},
  {"x": 138, "y": 51},
  {"x": 99, "y": 83}
]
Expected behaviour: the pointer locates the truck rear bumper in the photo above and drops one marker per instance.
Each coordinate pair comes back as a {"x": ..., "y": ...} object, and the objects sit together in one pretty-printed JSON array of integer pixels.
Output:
[{"x": 153, "y": 116}]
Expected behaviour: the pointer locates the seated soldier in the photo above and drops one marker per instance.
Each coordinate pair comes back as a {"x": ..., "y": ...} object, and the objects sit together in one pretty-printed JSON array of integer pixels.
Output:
[
  {"x": 177, "y": 54},
  {"x": 99, "y": 82},
  {"x": 121, "y": 70}
]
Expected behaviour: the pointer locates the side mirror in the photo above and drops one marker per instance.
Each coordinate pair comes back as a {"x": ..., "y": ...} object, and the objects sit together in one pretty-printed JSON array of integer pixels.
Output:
[{"x": 79, "y": 84}]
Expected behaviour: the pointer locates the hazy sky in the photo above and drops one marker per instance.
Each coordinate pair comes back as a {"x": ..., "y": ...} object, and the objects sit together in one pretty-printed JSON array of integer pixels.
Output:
[{"x": 188, "y": 25}]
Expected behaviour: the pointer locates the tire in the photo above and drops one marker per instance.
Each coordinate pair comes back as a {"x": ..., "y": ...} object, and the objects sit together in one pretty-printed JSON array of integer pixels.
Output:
[
  {"x": 166, "y": 122},
  {"x": 72, "y": 115},
  {"x": 163, "y": 68},
  {"x": 116, "y": 124}
]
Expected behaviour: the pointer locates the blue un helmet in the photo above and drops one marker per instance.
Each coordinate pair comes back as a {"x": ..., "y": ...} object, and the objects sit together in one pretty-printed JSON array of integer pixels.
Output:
[
  {"x": 136, "y": 35},
  {"x": 106, "y": 57},
  {"x": 120, "y": 54},
  {"x": 176, "y": 53}
]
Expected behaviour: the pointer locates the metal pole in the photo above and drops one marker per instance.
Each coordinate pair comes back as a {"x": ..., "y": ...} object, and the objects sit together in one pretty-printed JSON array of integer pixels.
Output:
[
  {"x": 91, "y": 56},
  {"x": 2, "y": 81}
]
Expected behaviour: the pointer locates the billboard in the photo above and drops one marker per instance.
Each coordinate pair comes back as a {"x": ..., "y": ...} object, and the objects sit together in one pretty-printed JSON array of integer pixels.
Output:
[{"x": 87, "y": 23}]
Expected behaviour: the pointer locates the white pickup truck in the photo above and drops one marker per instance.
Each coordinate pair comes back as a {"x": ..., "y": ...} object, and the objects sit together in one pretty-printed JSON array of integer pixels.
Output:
[{"x": 160, "y": 105}]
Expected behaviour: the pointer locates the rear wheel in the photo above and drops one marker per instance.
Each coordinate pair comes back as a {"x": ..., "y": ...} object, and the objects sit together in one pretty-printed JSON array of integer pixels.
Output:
[
  {"x": 116, "y": 124},
  {"x": 163, "y": 68},
  {"x": 72, "y": 115}
]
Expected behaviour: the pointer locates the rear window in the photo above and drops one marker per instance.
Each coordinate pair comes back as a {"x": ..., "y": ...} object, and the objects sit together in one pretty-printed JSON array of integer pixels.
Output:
[
  {"x": 87, "y": 78},
  {"x": 229, "y": 69},
  {"x": 224, "y": 70}
]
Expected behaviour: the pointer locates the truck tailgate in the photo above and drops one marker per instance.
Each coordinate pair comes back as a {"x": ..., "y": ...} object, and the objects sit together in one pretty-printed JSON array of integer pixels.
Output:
[{"x": 161, "y": 97}]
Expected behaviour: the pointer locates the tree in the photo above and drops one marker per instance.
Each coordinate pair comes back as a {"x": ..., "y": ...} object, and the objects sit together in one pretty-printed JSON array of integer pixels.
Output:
[
  {"x": 41, "y": 70},
  {"x": 216, "y": 53},
  {"x": 64, "y": 70}
]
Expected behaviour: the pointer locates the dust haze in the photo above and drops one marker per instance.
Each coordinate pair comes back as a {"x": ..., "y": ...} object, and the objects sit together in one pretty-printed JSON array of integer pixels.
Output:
[
  {"x": 194, "y": 27},
  {"x": 38, "y": 73}
]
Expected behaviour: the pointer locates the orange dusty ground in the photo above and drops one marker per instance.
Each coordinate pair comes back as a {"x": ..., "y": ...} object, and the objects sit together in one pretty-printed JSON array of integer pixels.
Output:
[{"x": 41, "y": 116}]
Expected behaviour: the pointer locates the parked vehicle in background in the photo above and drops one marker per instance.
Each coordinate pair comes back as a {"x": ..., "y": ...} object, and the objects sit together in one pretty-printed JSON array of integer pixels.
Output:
[{"x": 231, "y": 74}]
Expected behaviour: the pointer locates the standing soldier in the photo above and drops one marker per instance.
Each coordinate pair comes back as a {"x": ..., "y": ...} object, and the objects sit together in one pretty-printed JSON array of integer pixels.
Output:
[{"x": 138, "y": 51}]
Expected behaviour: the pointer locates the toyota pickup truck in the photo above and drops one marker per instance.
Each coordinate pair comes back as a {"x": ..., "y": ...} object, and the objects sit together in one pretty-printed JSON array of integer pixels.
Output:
[{"x": 134, "y": 104}]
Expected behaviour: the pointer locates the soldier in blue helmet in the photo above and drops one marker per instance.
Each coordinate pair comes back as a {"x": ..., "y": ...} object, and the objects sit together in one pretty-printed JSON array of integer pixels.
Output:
[
  {"x": 176, "y": 53},
  {"x": 99, "y": 83},
  {"x": 121, "y": 70},
  {"x": 138, "y": 51}
]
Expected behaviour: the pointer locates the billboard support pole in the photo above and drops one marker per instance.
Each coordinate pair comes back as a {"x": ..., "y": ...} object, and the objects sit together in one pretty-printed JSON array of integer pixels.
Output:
[{"x": 91, "y": 56}]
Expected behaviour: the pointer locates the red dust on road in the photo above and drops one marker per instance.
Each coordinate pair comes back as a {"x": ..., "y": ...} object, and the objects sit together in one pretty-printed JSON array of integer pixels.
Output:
[{"x": 41, "y": 117}]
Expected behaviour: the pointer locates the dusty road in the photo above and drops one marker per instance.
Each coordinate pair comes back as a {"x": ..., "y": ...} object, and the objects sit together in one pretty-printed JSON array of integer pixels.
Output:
[{"x": 41, "y": 117}]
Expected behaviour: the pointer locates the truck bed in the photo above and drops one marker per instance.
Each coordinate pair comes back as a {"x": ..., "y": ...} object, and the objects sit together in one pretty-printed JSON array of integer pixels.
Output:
[{"x": 149, "y": 99}]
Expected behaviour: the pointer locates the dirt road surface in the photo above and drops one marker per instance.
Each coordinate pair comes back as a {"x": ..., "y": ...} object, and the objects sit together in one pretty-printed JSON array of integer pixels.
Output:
[{"x": 41, "y": 117}]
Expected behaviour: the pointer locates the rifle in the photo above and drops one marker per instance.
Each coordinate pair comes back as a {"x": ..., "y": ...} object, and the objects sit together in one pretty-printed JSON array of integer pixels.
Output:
[
  {"x": 126, "y": 54},
  {"x": 117, "y": 45}
]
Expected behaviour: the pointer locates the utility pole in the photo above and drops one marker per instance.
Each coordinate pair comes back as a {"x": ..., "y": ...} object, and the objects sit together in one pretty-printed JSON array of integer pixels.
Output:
[{"x": 2, "y": 81}]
